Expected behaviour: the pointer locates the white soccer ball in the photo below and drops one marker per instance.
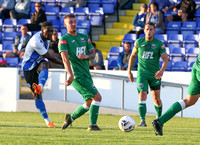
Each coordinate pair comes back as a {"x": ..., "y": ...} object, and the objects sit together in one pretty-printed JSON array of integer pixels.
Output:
[{"x": 126, "y": 123}]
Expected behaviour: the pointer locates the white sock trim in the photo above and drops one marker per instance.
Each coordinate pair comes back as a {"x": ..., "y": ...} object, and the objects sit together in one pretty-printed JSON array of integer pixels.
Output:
[
  {"x": 96, "y": 103},
  {"x": 142, "y": 102},
  {"x": 158, "y": 105},
  {"x": 182, "y": 103},
  {"x": 86, "y": 107}
]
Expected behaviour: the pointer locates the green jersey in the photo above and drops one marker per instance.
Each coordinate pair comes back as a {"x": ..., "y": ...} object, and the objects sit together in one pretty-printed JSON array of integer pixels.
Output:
[
  {"x": 149, "y": 53},
  {"x": 197, "y": 63},
  {"x": 76, "y": 45}
]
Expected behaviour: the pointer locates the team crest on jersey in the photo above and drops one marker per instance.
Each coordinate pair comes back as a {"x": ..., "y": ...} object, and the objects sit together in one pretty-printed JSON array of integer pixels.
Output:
[
  {"x": 62, "y": 42},
  {"x": 93, "y": 86},
  {"x": 89, "y": 41},
  {"x": 153, "y": 46},
  {"x": 148, "y": 46},
  {"x": 163, "y": 46},
  {"x": 82, "y": 40},
  {"x": 141, "y": 85}
]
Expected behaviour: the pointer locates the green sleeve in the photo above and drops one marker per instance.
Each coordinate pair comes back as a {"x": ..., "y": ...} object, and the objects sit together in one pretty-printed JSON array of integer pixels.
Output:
[{"x": 62, "y": 45}]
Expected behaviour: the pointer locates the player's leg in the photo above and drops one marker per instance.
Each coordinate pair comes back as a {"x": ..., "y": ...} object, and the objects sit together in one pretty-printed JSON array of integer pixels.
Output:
[
  {"x": 157, "y": 101},
  {"x": 142, "y": 87},
  {"x": 94, "y": 112},
  {"x": 42, "y": 78}
]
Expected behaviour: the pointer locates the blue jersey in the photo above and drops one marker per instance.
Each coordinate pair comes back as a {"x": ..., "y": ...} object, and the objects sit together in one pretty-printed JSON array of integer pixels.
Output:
[{"x": 34, "y": 52}]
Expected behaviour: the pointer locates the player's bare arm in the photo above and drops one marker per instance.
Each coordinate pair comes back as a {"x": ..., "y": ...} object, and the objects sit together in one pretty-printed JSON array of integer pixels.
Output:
[
  {"x": 131, "y": 63},
  {"x": 159, "y": 73},
  {"x": 64, "y": 55},
  {"x": 52, "y": 58},
  {"x": 91, "y": 55}
]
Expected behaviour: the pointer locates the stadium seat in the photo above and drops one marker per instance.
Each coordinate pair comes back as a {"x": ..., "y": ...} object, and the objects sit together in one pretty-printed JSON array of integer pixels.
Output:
[
  {"x": 51, "y": 12},
  {"x": 12, "y": 61},
  {"x": 63, "y": 31},
  {"x": 193, "y": 52},
  {"x": 188, "y": 28},
  {"x": 162, "y": 37},
  {"x": 9, "y": 25},
  {"x": 114, "y": 51},
  {"x": 129, "y": 38},
  {"x": 8, "y": 38},
  {"x": 179, "y": 66},
  {"x": 173, "y": 27},
  {"x": 141, "y": 35},
  {"x": 56, "y": 24},
  {"x": 82, "y": 13},
  {"x": 177, "y": 54},
  {"x": 49, "y": 2},
  {"x": 190, "y": 41},
  {"x": 190, "y": 65},
  {"x": 0, "y": 37},
  {"x": 93, "y": 3},
  {"x": 169, "y": 66},
  {"x": 112, "y": 62},
  {"x": 198, "y": 27},
  {"x": 175, "y": 40},
  {"x": 62, "y": 2},
  {"x": 96, "y": 15},
  {"x": 197, "y": 15},
  {"x": 8, "y": 47},
  {"x": 108, "y": 6},
  {"x": 22, "y": 22},
  {"x": 64, "y": 11},
  {"x": 83, "y": 26}
]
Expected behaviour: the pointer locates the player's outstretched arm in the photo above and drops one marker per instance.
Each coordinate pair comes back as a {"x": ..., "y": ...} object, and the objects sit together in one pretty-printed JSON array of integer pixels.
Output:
[
  {"x": 64, "y": 55},
  {"x": 159, "y": 73},
  {"x": 52, "y": 58},
  {"x": 130, "y": 64},
  {"x": 91, "y": 55}
]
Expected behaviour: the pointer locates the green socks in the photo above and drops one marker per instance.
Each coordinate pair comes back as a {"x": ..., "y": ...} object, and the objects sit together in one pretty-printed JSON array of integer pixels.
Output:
[
  {"x": 94, "y": 112},
  {"x": 79, "y": 111},
  {"x": 158, "y": 110},
  {"x": 175, "y": 108},
  {"x": 142, "y": 110}
]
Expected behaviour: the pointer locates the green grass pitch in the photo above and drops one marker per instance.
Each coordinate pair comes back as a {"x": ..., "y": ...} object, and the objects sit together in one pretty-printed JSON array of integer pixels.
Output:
[{"x": 26, "y": 128}]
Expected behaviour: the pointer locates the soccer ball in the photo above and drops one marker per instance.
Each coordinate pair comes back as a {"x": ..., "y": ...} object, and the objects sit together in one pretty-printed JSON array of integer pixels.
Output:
[{"x": 126, "y": 123}]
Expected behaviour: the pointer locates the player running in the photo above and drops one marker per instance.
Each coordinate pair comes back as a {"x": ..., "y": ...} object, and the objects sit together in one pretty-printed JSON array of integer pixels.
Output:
[
  {"x": 35, "y": 66},
  {"x": 149, "y": 49},
  {"x": 76, "y": 49}
]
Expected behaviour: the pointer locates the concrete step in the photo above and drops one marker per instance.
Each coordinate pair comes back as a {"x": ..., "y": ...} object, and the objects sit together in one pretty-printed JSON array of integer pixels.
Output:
[
  {"x": 132, "y": 12},
  {"x": 114, "y": 38},
  {"x": 117, "y": 31},
  {"x": 144, "y": 1},
  {"x": 136, "y": 6},
  {"x": 123, "y": 25},
  {"x": 126, "y": 19}
]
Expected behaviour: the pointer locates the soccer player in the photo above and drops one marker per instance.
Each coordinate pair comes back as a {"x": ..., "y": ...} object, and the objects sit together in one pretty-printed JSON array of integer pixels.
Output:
[
  {"x": 149, "y": 49},
  {"x": 35, "y": 66},
  {"x": 76, "y": 49},
  {"x": 193, "y": 95}
]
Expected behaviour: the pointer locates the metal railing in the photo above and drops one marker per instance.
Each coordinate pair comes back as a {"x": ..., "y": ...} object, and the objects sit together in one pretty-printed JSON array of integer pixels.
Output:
[{"x": 123, "y": 78}]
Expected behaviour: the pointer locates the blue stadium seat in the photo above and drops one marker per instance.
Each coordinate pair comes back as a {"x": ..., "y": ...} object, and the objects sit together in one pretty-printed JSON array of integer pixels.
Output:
[
  {"x": 82, "y": 13},
  {"x": 198, "y": 27},
  {"x": 177, "y": 54},
  {"x": 8, "y": 47},
  {"x": 108, "y": 6},
  {"x": 93, "y": 3},
  {"x": 173, "y": 27},
  {"x": 141, "y": 35},
  {"x": 114, "y": 51},
  {"x": 129, "y": 38},
  {"x": 192, "y": 54},
  {"x": 22, "y": 22},
  {"x": 96, "y": 15},
  {"x": 63, "y": 31},
  {"x": 190, "y": 41},
  {"x": 0, "y": 37},
  {"x": 188, "y": 28},
  {"x": 8, "y": 38},
  {"x": 162, "y": 37},
  {"x": 49, "y": 2},
  {"x": 12, "y": 61},
  {"x": 112, "y": 62},
  {"x": 51, "y": 12},
  {"x": 56, "y": 24},
  {"x": 9, "y": 25},
  {"x": 175, "y": 40},
  {"x": 64, "y": 11},
  {"x": 62, "y": 2},
  {"x": 83, "y": 26},
  {"x": 179, "y": 66},
  {"x": 168, "y": 50},
  {"x": 190, "y": 65},
  {"x": 197, "y": 15},
  {"x": 169, "y": 66}
]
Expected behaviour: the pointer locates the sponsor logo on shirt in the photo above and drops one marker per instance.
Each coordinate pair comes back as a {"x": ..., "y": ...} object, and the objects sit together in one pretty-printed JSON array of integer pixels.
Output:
[
  {"x": 89, "y": 41},
  {"x": 82, "y": 40},
  {"x": 141, "y": 85},
  {"x": 62, "y": 42},
  {"x": 163, "y": 46}
]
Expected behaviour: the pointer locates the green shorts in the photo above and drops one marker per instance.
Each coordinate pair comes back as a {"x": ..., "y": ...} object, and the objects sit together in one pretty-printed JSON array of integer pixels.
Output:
[
  {"x": 143, "y": 82},
  {"x": 85, "y": 87},
  {"x": 194, "y": 87}
]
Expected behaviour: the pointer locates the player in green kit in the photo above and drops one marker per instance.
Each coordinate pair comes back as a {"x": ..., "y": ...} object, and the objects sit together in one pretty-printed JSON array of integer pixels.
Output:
[
  {"x": 76, "y": 49},
  {"x": 193, "y": 95},
  {"x": 149, "y": 50}
]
